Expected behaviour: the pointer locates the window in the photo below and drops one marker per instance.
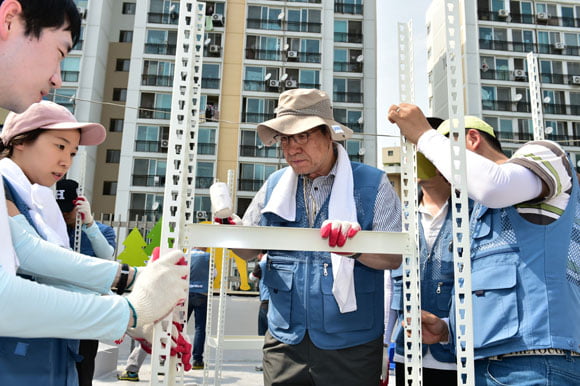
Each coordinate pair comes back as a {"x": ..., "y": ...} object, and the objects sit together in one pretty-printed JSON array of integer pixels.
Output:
[
  {"x": 252, "y": 176},
  {"x": 116, "y": 125},
  {"x": 146, "y": 206},
  {"x": 161, "y": 42},
  {"x": 126, "y": 36},
  {"x": 122, "y": 65},
  {"x": 128, "y": 8},
  {"x": 109, "y": 188},
  {"x": 69, "y": 69},
  {"x": 204, "y": 175},
  {"x": 149, "y": 172},
  {"x": 206, "y": 141},
  {"x": 113, "y": 156},
  {"x": 210, "y": 76},
  {"x": 120, "y": 94},
  {"x": 155, "y": 106}
]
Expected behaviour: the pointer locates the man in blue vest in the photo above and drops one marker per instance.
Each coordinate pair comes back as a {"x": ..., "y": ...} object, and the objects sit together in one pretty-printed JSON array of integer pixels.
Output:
[
  {"x": 525, "y": 238},
  {"x": 325, "y": 316},
  {"x": 436, "y": 270},
  {"x": 197, "y": 304}
]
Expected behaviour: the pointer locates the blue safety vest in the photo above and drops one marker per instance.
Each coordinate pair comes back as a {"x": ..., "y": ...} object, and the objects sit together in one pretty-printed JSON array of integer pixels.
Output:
[
  {"x": 300, "y": 282},
  {"x": 436, "y": 285},
  {"x": 198, "y": 272},
  {"x": 525, "y": 280},
  {"x": 36, "y": 361}
]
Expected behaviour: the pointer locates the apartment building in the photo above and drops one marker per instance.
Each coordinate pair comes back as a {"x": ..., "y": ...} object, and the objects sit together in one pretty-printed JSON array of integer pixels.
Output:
[
  {"x": 121, "y": 74},
  {"x": 499, "y": 34}
]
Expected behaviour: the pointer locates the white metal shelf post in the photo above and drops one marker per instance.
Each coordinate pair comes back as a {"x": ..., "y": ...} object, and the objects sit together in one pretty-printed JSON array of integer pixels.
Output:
[
  {"x": 411, "y": 275},
  {"x": 535, "y": 96},
  {"x": 80, "y": 190},
  {"x": 459, "y": 208},
  {"x": 180, "y": 173}
]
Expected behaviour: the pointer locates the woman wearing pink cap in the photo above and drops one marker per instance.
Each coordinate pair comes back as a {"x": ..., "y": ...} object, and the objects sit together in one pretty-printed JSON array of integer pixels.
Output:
[{"x": 36, "y": 150}]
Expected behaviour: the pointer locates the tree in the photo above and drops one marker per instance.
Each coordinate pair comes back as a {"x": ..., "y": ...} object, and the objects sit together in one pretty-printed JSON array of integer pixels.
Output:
[
  {"x": 154, "y": 237},
  {"x": 133, "y": 254}
]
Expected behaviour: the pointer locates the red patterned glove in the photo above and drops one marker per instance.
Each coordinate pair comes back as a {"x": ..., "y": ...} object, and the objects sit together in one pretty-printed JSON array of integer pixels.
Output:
[{"x": 337, "y": 232}]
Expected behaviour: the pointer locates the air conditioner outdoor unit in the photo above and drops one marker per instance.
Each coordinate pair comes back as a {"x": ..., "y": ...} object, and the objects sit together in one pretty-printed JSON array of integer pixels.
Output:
[
  {"x": 274, "y": 83},
  {"x": 542, "y": 16},
  {"x": 519, "y": 74},
  {"x": 559, "y": 46},
  {"x": 201, "y": 214},
  {"x": 214, "y": 48},
  {"x": 164, "y": 143},
  {"x": 217, "y": 17},
  {"x": 292, "y": 54},
  {"x": 290, "y": 83},
  {"x": 503, "y": 13},
  {"x": 576, "y": 79}
]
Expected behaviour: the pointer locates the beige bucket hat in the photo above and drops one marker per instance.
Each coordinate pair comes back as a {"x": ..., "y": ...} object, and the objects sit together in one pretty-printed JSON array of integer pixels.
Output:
[{"x": 300, "y": 110}]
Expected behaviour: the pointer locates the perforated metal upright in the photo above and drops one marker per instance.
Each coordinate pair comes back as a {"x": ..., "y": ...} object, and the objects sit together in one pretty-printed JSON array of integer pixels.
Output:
[
  {"x": 535, "y": 96},
  {"x": 78, "y": 221},
  {"x": 459, "y": 200},
  {"x": 180, "y": 173},
  {"x": 411, "y": 276}
]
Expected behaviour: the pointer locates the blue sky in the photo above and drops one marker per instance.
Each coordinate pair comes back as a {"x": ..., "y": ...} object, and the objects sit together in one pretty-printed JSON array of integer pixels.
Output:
[{"x": 389, "y": 13}]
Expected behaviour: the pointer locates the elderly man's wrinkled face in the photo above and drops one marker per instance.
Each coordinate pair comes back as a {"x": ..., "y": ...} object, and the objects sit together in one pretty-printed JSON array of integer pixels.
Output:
[{"x": 313, "y": 157}]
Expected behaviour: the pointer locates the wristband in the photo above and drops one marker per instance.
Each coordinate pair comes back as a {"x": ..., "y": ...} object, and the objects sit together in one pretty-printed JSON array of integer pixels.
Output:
[
  {"x": 122, "y": 283},
  {"x": 355, "y": 256},
  {"x": 132, "y": 281}
]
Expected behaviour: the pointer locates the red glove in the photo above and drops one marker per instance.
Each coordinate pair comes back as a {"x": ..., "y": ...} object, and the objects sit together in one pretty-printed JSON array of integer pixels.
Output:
[
  {"x": 337, "y": 232},
  {"x": 232, "y": 220}
]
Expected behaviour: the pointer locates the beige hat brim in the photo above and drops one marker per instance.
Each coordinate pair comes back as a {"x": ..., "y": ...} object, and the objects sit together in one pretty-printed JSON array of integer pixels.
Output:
[{"x": 295, "y": 124}]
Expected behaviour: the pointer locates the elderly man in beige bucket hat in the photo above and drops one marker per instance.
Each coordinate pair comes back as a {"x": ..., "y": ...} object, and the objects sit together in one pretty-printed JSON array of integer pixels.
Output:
[{"x": 325, "y": 321}]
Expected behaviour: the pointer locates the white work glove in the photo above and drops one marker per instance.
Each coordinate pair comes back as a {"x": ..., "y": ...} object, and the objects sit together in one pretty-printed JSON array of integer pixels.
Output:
[
  {"x": 159, "y": 287},
  {"x": 337, "y": 232},
  {"x": 84, "y": 208}
]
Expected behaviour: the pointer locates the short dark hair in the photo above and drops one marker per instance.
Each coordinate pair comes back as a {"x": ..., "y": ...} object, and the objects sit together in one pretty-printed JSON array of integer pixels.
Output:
[
  {"x": 41, "y": 14},
  {"x": 491, "y": 140},
  {"x": 28, "y": 137}
]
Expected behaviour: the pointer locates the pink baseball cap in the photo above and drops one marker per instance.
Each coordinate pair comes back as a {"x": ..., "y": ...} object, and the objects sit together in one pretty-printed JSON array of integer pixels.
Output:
[{"x": 49, "y": 115}]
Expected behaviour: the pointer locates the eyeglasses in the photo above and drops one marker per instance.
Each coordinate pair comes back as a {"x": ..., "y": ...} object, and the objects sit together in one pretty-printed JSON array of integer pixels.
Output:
[{"x": 300, "y": 138}]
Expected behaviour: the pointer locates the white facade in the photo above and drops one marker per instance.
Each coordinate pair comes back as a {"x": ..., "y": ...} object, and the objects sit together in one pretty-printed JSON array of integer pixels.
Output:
[{"x": 497, "y": 36}]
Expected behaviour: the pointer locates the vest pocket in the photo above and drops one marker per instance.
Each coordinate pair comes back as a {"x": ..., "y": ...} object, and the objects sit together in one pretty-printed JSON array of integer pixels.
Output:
[
  {"x": 278, "y": 278},
  {"x": 495, "y": 307},
  {"x": 362, "y": 318}
]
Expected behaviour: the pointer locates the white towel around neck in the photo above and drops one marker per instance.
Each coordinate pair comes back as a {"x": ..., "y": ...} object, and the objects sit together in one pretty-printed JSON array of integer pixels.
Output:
[
  {"x": 341, "y": 206},
  {"x": 8, "y": 259},
  {"x": 43, "y": 209}
]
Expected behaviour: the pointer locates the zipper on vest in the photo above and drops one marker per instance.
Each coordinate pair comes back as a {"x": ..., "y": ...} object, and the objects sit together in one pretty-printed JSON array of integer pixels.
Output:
[
  {"x": 438, "y": 290},
  {"x": 325, "y": 269}
]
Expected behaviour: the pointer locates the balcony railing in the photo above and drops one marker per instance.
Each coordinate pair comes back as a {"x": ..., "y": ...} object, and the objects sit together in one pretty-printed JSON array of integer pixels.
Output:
[
  {"x": 143, "y": 214},
  {"x": 259, "y": 54},
  {"x": 257, "y": 117},
  {"x": 356, "y": 158},
  {"x": 146, "y": 112},
  {"x": 203, "y": 182},
  {"x": 150, "y": 146},
  {"x": 302, "y": 1},
  {"x": 148, "y": 180},
  {"x": 163, "y": 18},
  {"x": 278, "y": 25},
  {"x": 355, "y": 126},
  {"x": 157, "y": 80},
  {"x": 349, "y": 97},
  {"x": 250, "y": 185},
  {"x": 346, "y": 37},
  {"x": 160, "y": 48},
  {"x": 502, "y": 135},
  {"x": 210, "y": 83},
  {"x": 69, "y": 76},
  {"x": 261, "y": 152},
  {"x": 502, "y": 75},
  {"x": 516, "y": 17},
  {"x": 506, "y": 45},
  {"x": 353, "y": 9},
  {"x": 524, "y": 107},
  {"x": 206, "y": 148},
  {"x": 348, "y": 67}
]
